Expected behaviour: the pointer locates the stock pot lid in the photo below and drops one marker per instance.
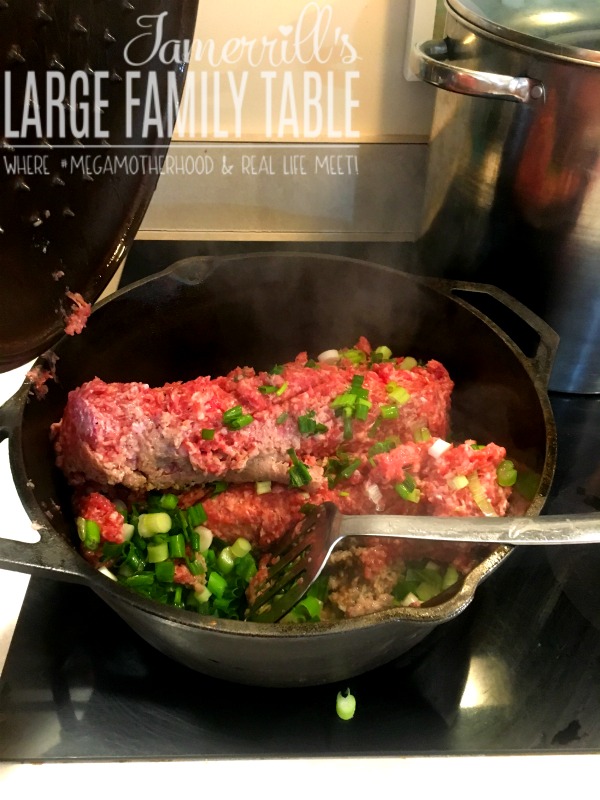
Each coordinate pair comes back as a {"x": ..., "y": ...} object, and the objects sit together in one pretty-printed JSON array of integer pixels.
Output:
[
  {"x": 80, "y": 81},
  {"x": 568, "y": 29}
]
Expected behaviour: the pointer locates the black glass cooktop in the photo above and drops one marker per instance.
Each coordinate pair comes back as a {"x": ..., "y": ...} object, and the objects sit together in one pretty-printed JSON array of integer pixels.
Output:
[{"x": 517, "y": 672}]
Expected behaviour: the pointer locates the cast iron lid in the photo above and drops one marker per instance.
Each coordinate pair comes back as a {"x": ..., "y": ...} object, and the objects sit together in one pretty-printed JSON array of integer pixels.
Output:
[
  {"x": 87, "y": 94},
  {"x": 567, "y": 29}
]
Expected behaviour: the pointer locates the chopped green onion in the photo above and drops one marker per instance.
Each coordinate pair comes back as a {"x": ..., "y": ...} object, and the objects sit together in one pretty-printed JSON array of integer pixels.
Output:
[
  {"x": 169, "y": 501},
  {"x": 422, "y": 434},
  {"x": 347, "y": 471},
  {"x": 408, "y": 363},
  {"x": 231, "y": 414},
  {"x": 281, "y": 418},
  {"x": 450, "y": 577},
  {"x": 384, "y": 352},
  {"x": 208, "y": 434},
  {"x": 235, "y": 419},
  {"x": 361, "y": 411},
  {"x": 307, "y": 508},
  {"x": 408, "y": 490},
  {"x": 164, "y": 571},
  {"x": 348, "y": 426},
  {"x": 397, "y": 393},
  {"x": 92, "y": 536},
  {"x": 81, "y": 528},
  {"x": 267, "y": 389},
  {"x": 311, "y": 364},
  {"x": 225, "y": 561},
  {"x": 205, "y": 538},
  {"x": 382, "y": 447},
  {"x": 308, "y": 425},
  {"x": 240, "y": 547},
  {"x": 216, "y": 584},
  {"x": 479, "y": 496},
  {"x": 346, "y": 400},
  {"x": 506, "y": 473},
  {"x": 345, "y": 705},
  {"x": 137, "y": 581},
  {"x": 282, "y": 389},
  {"x": 196, "y": 515},
  {"x": 203, "y": 596},
  {"x": 153, "y": 523},
  {"x": 355, "y": 356},
  {"x": 389, "y": 412},
  {"x": 263, "y": 487},
  {"x": 176, "y": 545},
  {"x": 158, "y": 552},
  {"x": 299, "y": 473},
  {"x": 240, "y": 422},
  {"x": 218, "y": 488},
  {"x": 277, "y": 369},
  {"x": 459, "y": 482}
]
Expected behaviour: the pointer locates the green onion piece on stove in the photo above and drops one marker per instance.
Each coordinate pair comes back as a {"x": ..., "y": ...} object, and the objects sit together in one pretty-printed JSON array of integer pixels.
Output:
[
  {"x": 208, "y": 434},
  {"x": 153, "y": 523},
  {"x": 263, "y": 487},
  {"x": 345, "y": 705},
  {"x": 276, "y": 370},
  {"x": 281, "y": 418},
  {"x": 282, "y": 389},
  {"x": 267, "y": 389},
  {"x": 218, "y": 488},
  {"x": 506, "y": 473}
]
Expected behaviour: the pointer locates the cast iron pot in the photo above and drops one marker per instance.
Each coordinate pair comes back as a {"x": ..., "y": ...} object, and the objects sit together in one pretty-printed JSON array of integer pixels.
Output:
[{"x": 207, "y": 315}]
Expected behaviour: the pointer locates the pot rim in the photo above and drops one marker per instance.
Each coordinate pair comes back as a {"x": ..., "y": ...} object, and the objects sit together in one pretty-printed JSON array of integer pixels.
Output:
[{"x": 523, "y": 41}]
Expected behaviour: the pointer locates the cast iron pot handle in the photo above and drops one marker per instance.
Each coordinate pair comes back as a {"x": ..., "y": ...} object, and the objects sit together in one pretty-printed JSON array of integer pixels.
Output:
[
  {"x": 52, "y": 556},
  {"x": 542, "y": 360},
  {"x": 430, "y": 63}
]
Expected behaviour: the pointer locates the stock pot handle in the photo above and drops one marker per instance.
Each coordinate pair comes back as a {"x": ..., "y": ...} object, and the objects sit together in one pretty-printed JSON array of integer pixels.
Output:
[
  {"x": 430, "y": 62},
  {"x": 52, "y": 556}
]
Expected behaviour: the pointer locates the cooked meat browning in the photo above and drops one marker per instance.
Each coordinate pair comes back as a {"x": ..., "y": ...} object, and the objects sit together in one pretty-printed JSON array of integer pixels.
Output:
[{"x": 181, "y": 434}]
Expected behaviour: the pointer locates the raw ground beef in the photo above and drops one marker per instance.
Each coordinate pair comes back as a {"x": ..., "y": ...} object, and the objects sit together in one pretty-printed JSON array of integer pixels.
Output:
[
  {"x": 119, "y": 440},
  {"x": 152, "y": 438}
]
